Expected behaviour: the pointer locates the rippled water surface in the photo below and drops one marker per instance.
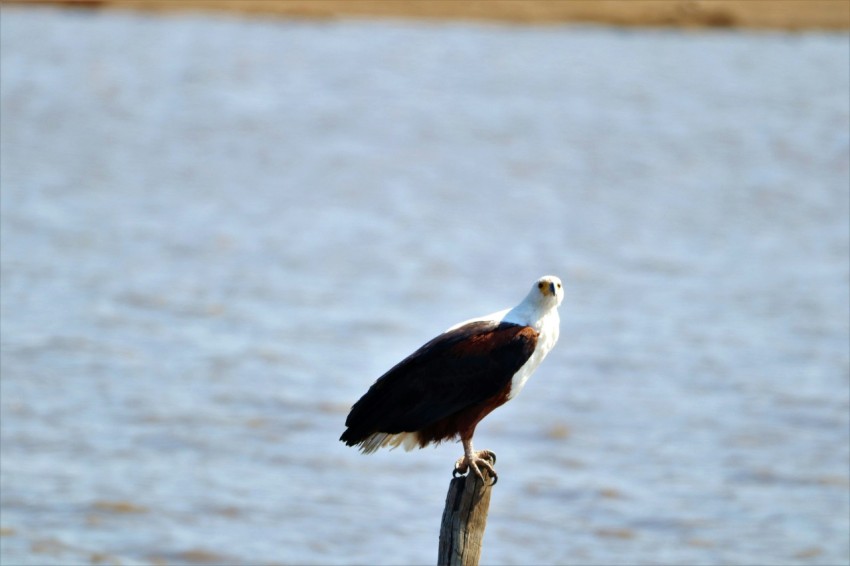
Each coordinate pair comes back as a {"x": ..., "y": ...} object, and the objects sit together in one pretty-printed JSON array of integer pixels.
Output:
[{"x": 217, "y": 233}]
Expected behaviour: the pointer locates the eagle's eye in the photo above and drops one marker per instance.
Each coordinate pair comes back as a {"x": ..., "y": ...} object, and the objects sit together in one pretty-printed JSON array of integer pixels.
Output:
[
  {"x": 540, "y": 285},
  {"x": 559, "y": 285}
]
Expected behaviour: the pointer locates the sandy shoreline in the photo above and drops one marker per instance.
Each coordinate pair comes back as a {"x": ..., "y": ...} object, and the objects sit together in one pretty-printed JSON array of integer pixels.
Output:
[{"x": 763, "y": 14}]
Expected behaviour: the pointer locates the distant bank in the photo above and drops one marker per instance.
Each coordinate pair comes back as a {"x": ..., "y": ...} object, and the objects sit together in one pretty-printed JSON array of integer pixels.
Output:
[{"x": 765, "y": 14}]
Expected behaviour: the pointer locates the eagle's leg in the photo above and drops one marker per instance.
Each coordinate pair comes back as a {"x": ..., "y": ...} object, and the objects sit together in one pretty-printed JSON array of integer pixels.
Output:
[{"x": 472, "y": 459}]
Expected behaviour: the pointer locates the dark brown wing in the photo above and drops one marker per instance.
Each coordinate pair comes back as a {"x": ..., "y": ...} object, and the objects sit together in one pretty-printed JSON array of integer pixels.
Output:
[{"x": 453, "y": 371}]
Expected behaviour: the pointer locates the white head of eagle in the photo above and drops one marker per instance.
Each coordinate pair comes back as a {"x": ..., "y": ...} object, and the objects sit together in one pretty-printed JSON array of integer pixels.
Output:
[{"x": 445, "y": 388}]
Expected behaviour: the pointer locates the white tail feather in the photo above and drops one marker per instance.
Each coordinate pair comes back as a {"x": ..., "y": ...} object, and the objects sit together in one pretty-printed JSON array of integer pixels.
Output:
[{"x": 381, "y": 439}]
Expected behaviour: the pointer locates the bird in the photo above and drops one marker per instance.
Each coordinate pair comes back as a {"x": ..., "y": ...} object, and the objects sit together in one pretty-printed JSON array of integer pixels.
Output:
[{"x": 444, "y": 389}]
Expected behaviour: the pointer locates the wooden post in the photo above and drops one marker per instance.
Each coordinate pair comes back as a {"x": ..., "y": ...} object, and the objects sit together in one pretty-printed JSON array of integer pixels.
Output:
[{"x": 464, "y": 519}]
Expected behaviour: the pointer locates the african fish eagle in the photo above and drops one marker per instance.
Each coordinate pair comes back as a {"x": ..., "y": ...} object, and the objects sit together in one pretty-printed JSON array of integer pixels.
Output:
[{"x": 443, "y": 390}]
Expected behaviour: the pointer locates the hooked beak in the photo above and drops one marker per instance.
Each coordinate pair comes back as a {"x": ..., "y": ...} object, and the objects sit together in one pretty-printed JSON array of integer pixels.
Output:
[{"x": 552, "y": 289}]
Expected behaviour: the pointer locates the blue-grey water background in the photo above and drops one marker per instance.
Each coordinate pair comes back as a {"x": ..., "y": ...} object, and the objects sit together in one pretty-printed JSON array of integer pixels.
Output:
[{"x": 216, "y": 233}]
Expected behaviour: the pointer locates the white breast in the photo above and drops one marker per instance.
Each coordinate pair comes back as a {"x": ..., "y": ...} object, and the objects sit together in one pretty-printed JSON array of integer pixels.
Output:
[{"x": 548, "y": 329}]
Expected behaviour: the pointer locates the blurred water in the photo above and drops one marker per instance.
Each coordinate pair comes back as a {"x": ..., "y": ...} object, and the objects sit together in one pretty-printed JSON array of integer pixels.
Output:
[{"x": 217, "y": 233}]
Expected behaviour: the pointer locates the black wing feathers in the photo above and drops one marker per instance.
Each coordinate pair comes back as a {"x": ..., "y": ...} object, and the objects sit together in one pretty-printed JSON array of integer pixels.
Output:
[{"x": 456, "y": 369}]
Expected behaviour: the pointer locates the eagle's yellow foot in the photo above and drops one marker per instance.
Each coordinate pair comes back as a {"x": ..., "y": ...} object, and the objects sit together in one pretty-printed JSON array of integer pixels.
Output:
[{"x": 472, "y": 460}]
